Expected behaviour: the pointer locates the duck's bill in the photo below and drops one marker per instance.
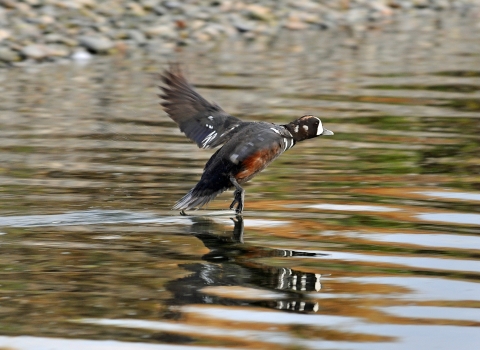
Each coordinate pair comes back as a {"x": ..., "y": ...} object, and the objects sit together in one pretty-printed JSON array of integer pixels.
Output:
[{"x": 327, "y": 132}]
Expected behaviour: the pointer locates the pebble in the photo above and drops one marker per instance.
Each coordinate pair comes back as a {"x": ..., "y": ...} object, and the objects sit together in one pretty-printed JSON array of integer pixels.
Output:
[
  {"x": 4, "y": 34},
  {"x": 294, "y": 23},
  {"x": 259, "y": 12},
  {"x": 8, "y": 55},
  {"x": 164, "y": 31},
  {"x": 9, "y": 4},
  {"x": 34, "y": 51},
  {"x": 159, "y": 10},
  {"x": 81, "y": 55},
  {"x": 137, "y": 36},
  {"x": 57, "y": 50},
  {"x": 32, "y": 2},
  {"x": 35, "y": 30},
  {"x": 96, "y": 43},
  {"x": 240, "y": 23},
  {"x": 172, "y": 5},
  {"x": 60, "y": 39},
  {"x": 136, "y": 9},
  {"x": 149, "y": 4}
]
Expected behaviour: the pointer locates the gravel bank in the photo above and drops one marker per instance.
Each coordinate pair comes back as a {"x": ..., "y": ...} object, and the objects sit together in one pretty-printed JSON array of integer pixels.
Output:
[{"x": 49, "y": 30}]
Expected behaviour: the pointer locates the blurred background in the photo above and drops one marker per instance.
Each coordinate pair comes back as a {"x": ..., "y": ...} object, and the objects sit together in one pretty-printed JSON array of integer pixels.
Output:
[{"x": 368, "y": 239}]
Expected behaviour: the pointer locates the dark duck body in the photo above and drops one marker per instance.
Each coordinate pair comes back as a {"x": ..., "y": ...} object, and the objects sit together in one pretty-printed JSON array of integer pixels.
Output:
[{"x": 248, "y": 147}]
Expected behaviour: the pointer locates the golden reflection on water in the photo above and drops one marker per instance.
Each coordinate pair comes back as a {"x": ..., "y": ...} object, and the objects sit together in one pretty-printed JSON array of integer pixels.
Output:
[{"x": 361, "y": 241}]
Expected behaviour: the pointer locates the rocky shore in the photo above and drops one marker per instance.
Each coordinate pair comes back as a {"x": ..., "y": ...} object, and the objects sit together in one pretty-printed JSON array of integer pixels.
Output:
[{"x": 49, "y": 30}]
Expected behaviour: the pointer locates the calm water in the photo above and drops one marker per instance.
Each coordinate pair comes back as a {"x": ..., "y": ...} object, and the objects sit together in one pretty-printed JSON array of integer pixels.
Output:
[{"x": 365, "y": 240}]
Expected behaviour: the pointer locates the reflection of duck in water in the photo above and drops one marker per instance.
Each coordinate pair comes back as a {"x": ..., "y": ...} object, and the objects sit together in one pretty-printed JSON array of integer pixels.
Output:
[
  {"x": 248, "y": 147},
  {"x": 230, "y": 262}
]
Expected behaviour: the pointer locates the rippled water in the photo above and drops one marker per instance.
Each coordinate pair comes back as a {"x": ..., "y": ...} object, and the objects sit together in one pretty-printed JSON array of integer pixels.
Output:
[{"x": 365, "y": 240}]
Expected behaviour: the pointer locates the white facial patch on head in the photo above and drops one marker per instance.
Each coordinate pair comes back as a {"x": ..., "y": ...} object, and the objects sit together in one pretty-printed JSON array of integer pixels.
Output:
[
  {"x": 296, "y": 128},
  {"x": 305, "y": 127},
  {"x": 319, "y": 127}
]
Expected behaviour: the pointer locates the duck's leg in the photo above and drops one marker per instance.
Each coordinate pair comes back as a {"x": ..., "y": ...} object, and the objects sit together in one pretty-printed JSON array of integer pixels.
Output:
[{"x": 239, "y": 196}]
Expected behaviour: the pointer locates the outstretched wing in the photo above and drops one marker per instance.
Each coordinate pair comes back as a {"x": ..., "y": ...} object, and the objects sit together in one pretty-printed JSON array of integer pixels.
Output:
[{"x": 203, "y": 122}]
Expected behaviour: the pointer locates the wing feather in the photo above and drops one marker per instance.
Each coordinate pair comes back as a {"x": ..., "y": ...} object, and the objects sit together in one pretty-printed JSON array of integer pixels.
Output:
[{"x": 205, "y": 123}]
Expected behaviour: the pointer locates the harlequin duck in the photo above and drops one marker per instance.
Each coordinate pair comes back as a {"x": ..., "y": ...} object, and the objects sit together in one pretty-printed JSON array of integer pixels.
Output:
[{"x": 248, "y": 147}]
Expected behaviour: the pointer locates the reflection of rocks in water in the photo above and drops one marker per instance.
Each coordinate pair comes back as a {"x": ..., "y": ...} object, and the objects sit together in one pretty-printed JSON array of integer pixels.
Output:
[{"x": 230, "y": 262}]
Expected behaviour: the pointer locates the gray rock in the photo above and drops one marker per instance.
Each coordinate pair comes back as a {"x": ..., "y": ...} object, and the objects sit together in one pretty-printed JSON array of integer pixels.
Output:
[
  {"x": 54, "y": 38},
  {"x": 405, "y": 4},
  {"x": 78, "y": 4},
  {"x": 258, "y": 12},
  {"x": 149, "y": 4},
  {"x": 295, "y": 23},
  {"x": 57, "y": 50},
  {"x": 163, "y": 31},
  {"x": 420, "y": 3},
  {"x": 118, "y": 34},
  {"x": 3, "y": 17},
  {"x": 241, "y": 24},
  {"x": 213, "y": 30},
  {"x": 440, "y": 4},
  {"x": 243, "y": 27},
  {"x": 136, "y": 9},
  {"x": 4, "y": 34},
  {"x": 24, "y": 9},
  {"x": 112, "y": 9},
  {"x": 9, "y": 4},
  {"x": 172, "y": 5},
  {"x": 196, "y": 24},
  {"x": 96, "y": 43},
  {"x": 159, "y": 10},
  {"x": 49, "y": 10},
  {"x": 356, "y": 15},
  {"x": 8, "y": 55},
  {"x": 33, "y": 2},
  {"x": 26, "y": 30},
  {"x": 137, "y": 36},
  {"x": 201, "y": 15},
  {"x": 34, "y": 51},
  {"x": 81, "y": 55}
]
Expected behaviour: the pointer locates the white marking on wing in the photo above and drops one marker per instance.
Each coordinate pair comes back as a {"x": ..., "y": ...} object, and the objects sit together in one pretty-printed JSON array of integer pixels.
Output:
[
  {"x": 275, "y": 130},
  {"x": 234, "y": 158},
  {"x": 210, "y": 137},
  {"x": 210, "y": 117},
  {"x": 226, "y": 132}
]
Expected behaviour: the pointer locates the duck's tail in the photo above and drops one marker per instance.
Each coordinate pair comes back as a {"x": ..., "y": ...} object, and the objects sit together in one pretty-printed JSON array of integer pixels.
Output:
[{"x": 198, "y": 196}]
